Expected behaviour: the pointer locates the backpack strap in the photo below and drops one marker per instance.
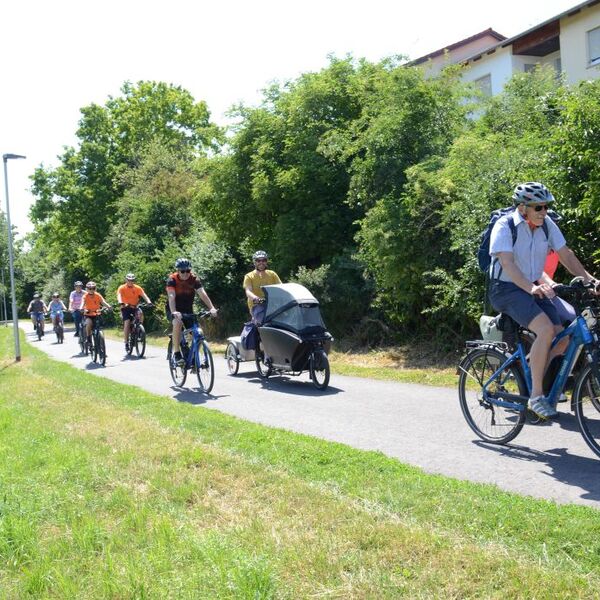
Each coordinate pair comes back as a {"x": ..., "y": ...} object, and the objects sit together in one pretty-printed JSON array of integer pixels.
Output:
[{"x": 513, "y": 233}]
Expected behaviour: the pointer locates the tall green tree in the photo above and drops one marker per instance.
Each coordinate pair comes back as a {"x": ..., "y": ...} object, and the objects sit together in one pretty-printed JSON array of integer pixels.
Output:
[{"x": 77, "y": 201}]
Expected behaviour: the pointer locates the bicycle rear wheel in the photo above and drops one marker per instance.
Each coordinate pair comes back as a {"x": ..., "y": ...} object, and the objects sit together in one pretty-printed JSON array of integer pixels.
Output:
[
  {"x": 586, "y": 399},
  {"x": 490, "y": 422},
  {"x": 233, "y": 364},
  {"x": 178, "y": 372},
  {"x": 205, "y": 369},
  {"x": 140, "y": 341},
  {"x": 264, "y": 368}
]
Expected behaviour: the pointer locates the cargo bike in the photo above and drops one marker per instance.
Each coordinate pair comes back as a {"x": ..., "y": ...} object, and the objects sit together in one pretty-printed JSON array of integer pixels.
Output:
[{"x": 292, "y": 337}]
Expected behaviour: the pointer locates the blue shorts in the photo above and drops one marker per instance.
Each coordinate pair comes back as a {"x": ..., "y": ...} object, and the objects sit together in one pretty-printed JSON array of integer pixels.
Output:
[{"x": 510, "y": 299}]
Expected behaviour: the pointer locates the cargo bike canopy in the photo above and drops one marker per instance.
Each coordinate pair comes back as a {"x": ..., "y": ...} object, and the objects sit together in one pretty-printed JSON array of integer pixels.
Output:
[{"x": 291, "y": 306}]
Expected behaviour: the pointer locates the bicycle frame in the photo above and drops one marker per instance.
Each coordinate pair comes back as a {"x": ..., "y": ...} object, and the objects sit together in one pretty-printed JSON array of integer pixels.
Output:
[
  {"x": 197, "y": 338},
  {"x": 580, "y": 336}
]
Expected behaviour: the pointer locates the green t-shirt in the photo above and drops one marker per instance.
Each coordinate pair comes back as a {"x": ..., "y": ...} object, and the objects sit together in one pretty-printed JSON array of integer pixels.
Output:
[{"x": 253, "y": 280}]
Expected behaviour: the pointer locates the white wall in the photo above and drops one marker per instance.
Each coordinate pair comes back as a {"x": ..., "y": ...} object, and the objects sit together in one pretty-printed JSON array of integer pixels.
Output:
[
  {"x": 573, "y": 44},
  {"x": 520, "y": 60},
  {"x": 498, "y": 64}
]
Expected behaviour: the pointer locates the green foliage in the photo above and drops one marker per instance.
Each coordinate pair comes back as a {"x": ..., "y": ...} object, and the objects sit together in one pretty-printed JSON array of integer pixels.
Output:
[
  {"x": 77, "y": 202},
  {"x": 342, "y": 290}
]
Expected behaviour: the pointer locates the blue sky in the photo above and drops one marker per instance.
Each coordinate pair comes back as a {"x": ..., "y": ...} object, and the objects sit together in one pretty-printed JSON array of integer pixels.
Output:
[{"x": 59, "y": 56}]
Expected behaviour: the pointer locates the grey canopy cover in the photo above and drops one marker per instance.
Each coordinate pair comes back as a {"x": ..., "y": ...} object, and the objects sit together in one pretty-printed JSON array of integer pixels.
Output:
[{"x": 291, "y": 306}]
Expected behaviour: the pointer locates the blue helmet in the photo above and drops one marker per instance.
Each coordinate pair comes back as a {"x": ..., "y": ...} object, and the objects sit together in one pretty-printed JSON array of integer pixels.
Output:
[{"x": 182, "y": 263}]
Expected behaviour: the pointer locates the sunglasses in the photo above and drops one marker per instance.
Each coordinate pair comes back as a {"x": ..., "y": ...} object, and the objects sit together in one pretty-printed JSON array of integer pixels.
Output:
[
  {"x": 540, "y": 207},
  {"x": 185, "y": 270}
]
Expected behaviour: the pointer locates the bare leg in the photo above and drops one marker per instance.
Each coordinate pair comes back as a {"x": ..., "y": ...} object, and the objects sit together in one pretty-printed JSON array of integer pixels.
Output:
[
  {"x": 538, "y": 357},
  {"x": 177, "y": 335},
  {"x": 126, "y": 329}
]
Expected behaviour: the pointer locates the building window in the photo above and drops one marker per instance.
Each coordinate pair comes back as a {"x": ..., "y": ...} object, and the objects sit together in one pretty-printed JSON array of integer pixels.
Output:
[
  {"x": 529, "y": 67},
  {"x": 484, "y": 84},
  {"x": 593, "y": 38}
]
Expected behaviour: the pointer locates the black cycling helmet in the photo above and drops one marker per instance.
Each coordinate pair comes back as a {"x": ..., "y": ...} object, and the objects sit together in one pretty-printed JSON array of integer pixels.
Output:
[
  {"x": 531, "y": 193},
  {"x": 56, "y": 295},
  {"x": 182, "y": 264},
  {"x": 36, "y": 294},
  {"x": 130, "y": 277},
  {"x": 260, "y": 254}
]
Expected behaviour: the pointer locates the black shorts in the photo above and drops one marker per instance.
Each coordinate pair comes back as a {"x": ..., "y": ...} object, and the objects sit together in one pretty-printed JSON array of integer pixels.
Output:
[{"x": 128, "y": 312}]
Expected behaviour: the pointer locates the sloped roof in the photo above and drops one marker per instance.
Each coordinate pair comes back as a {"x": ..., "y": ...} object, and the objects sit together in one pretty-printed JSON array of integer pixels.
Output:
[{"x": 456, "y": 45}]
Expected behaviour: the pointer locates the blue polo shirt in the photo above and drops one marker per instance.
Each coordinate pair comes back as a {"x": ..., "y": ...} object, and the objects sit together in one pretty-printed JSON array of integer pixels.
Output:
[{"x": 530, "y": 248}]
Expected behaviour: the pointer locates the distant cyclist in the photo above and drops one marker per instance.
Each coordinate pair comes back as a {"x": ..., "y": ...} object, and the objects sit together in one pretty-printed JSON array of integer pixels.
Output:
[
  {"x": 37, "y": 309},
  {"x": 56, "y": 308},
  {"x": 128, "y": 297},
  {"x": 182, "y": 287},
  {"x": 92, "y": 304},
  {"x": 253, "y": 283},
  {"x": 76, "y": 305}
]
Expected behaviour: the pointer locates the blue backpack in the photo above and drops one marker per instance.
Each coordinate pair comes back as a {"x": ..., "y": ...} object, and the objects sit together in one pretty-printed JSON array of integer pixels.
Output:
[{"x": 483, "y": 254}]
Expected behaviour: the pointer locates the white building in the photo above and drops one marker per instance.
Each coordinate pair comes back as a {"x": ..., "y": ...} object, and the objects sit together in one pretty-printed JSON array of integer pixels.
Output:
[{"x": 569, "y": 42}]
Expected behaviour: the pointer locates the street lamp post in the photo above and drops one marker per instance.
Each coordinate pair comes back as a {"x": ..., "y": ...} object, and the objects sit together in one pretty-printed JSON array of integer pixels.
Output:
[{"x": 5, "y": 159}]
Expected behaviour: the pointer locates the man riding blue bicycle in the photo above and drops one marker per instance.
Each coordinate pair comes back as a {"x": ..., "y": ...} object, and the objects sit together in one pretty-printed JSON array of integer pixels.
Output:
[
  {"x": 182, "y": 287},
  {"x": 519, "y": 245}
]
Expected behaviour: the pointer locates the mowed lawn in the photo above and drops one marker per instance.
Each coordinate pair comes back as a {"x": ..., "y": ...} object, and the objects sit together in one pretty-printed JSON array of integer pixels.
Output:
[{"x": 107, "y": 491}]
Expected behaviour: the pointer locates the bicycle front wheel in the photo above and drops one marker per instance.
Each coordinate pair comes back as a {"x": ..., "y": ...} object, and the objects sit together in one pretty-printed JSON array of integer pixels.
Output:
[
  {"x": 319, "y": 370},
  {"x": 490, "y": 422},
  {"x": 178, "y": 372},
  {"x": 140, "y": 341},
  {"x": 101, "y": 349},
  {"x": 39, "y": 330},
  {"x": 586, "y": 399},
  {"x": 205, "y": 369}
]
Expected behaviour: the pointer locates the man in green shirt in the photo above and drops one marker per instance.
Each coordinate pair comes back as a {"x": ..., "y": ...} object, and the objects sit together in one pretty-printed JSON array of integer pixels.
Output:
[{"x": 253, "y": 283}]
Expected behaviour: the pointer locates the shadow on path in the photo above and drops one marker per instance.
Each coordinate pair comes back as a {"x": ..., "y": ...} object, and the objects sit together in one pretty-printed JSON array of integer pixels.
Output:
[
  {"x": 571, "y": 469},
  {"x": 194, "y": 396}
]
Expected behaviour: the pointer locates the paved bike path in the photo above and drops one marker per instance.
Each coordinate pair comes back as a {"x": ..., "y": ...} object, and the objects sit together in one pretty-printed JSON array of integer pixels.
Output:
[{"x": 418, "y": 425}]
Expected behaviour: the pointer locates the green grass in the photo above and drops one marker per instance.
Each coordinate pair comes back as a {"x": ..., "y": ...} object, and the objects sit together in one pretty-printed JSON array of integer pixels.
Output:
[{"x": 107, "y": 491}]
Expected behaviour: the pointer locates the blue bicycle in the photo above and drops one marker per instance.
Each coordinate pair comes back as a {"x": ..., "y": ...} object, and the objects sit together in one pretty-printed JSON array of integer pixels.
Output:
[
  {"x": 494, "y": 384},
  {"x": 196, "y": 354}
]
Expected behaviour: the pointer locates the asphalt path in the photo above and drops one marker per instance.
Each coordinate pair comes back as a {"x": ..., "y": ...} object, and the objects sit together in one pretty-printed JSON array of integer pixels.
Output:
[{"x": 416, "y": 424}]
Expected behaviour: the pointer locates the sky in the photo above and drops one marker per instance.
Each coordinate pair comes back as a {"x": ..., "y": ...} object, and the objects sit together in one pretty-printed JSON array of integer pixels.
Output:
[{"x": 59, "y": 56}]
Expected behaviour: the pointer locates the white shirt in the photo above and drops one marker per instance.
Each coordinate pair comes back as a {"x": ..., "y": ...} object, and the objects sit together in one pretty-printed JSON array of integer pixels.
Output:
[{"x": 530, "y": 248}]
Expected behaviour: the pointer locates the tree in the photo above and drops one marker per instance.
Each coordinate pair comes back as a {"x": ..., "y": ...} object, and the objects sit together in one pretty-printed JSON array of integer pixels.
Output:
[{"x": 77, "y": 201}]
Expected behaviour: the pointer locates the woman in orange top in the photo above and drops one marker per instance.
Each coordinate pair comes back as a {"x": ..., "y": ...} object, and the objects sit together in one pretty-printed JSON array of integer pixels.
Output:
[{"x": 91, "y": 305}]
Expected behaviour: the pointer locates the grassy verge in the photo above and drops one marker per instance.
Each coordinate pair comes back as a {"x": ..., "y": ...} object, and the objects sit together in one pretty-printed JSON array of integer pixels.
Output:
[
  {"x": 112, "y": 492},
  {"x": 394, "y": 364}
]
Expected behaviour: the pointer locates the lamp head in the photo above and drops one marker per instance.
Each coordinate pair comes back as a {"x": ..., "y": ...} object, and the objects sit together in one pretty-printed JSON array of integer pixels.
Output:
[{"x": 6, "y": 157}]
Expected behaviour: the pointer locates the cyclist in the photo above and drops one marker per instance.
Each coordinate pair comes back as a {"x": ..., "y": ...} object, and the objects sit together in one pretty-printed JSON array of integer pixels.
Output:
[
  {"x": 253, "y": 283},
  {"x": 37, "y": 308},
  {"x": 182, "y": 287},
  {"x": 128, "y": 297},
  {"x": 75, "y": 305},
  {"x": 56, "y": 308},
  {"x": 92, "y": 303},
  {"x": 515, "y": 274}
]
